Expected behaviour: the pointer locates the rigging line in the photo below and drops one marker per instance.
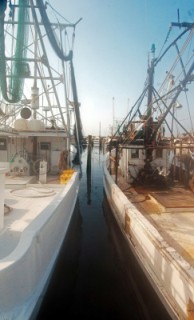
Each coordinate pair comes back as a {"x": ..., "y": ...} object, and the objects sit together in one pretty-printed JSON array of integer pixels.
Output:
[
  {"x": 188, "y": 62},
  {"x": 191, "y": 44},
  {"x": 139, "y": 101},
  {"x": 51, "y": 35},
  {"x": 178, "y": 122},
  {"x": 165, "y": 41},
  {"x": 177, "y": 59},
  {"x": 41, "y": 72},
  {"x": 170, "y": 92},
  {"x": 157, "y": 60},
  {"x": 43, "y": 81},
  {"x": 48, "y": 3},
  {"x": 60, "y": 29},
  {"x": 179, "y": 89},
  {"x": 191, "y": 123},
  {"x": 48, "y": 66},
  {"x": 180, "y": 59},
  {"x": 70, "y": 23},
  {"x": 67, "y": 78},
  {"x": 160, "y": 99},
  {"x": 73, "y": 39},
  {"x": 129, "y": 137},
  {"x": 186, "y": 43},
  {"x": 191, "y": 57},
  {"x": 66, "y": 39}
]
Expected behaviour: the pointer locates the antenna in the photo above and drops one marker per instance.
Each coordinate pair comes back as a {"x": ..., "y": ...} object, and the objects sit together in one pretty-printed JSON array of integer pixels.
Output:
[{"x": 178, "y": 15}]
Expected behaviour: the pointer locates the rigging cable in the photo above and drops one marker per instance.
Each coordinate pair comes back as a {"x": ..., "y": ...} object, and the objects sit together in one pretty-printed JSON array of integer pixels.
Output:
[
  {"x": 188, "y": 27},
  {"x": 48, "y": 3},
  {"x": 187, "y": 101},
  {"x": 69, "y": 23},
  {"x": 165, "y": 41},
  {"x": 66, "y": 71},
  {"x": 58, "y": 50},
  {"x": 50, "y": 33},
  {"x": 138, "y": 103},
  {"x": 178, "y": 59},
  {"x": 45, "y": 55},
  {"x": 179, "y": 89}
]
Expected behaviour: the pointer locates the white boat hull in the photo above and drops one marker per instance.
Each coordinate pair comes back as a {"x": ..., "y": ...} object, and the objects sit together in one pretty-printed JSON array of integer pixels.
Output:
[
  {"x": 25, "y": 272},
  {"x": 170, "y": 275}
]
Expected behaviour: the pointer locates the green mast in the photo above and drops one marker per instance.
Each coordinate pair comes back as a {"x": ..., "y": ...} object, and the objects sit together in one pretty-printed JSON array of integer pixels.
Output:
[{"x": 12, "y": 92}]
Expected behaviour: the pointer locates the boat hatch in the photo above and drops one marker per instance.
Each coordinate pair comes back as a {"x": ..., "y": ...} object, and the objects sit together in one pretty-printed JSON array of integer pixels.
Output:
[{"x": 175, "y": 200}]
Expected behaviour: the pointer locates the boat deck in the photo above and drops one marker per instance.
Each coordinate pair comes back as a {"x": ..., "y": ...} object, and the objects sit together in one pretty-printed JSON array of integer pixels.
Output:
[
  {"x": 170, "y": 211},
  {"x": 23, "y": 203}
]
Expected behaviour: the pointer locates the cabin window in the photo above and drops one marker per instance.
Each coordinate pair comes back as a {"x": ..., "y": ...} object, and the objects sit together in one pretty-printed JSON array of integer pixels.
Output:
[
  {"x": 159, "y": 153},
  {"x": 3, "y": 144},
  {"x": 135, "y": 154},
  {"x": 44, "y": 146}
]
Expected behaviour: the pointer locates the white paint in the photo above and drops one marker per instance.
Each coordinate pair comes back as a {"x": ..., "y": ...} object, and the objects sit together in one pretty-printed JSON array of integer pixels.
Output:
[
  {"x": 25, "y": 270},
  {"x": 43, "y": 172},
  {"x": 168, "y": 272}
]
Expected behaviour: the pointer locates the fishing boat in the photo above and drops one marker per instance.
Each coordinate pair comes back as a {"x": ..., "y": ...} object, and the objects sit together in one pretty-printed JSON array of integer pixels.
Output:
[
  {"x": 149, "y": 174},
  {"x": 40, "y": 147}
]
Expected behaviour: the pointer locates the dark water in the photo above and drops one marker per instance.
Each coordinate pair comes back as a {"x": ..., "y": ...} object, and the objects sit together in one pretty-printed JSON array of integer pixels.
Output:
[{"x": 96, "y": 276}]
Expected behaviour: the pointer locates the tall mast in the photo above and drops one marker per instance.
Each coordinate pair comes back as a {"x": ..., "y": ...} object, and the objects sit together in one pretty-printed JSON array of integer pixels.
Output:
[
  {"x": 149, "y": 119},
  {"x": 150, "y": 82}
]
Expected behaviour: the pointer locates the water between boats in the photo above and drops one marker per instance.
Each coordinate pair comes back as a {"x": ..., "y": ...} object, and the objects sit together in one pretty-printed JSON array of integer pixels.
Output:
[{"x": 96, "y": 275}]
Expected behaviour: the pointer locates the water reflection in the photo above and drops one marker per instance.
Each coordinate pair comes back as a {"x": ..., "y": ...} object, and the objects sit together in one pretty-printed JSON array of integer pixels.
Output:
[
  {"x": 88, "y": 172},
  {"x": 96, "y": 276},
  {"x": 60, "y": 292},
  {"x": 144, "y": 296}
]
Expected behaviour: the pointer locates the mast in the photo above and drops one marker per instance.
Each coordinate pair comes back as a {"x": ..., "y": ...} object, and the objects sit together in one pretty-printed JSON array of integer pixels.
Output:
[
  {"x": 149, "y": 119},
  {"x": 31, "y": 59}
]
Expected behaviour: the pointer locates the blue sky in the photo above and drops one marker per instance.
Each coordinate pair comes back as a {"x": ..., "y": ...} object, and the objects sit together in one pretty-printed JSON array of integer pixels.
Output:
[{"x": 111, "y": 52}]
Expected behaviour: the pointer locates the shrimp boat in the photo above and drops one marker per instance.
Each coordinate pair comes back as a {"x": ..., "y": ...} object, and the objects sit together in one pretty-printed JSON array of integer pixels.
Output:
[
  {"x": 40, "y": 145},
  {"x": 149, "y": 174}
]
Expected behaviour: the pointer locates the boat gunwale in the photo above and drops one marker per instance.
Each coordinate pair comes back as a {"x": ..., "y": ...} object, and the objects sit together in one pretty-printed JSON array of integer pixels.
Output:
[{"x": 180, "y": 264}]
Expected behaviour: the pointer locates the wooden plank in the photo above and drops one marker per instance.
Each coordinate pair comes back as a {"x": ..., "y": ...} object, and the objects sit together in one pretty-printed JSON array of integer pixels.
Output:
[{"x": 177, "y": 199}]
